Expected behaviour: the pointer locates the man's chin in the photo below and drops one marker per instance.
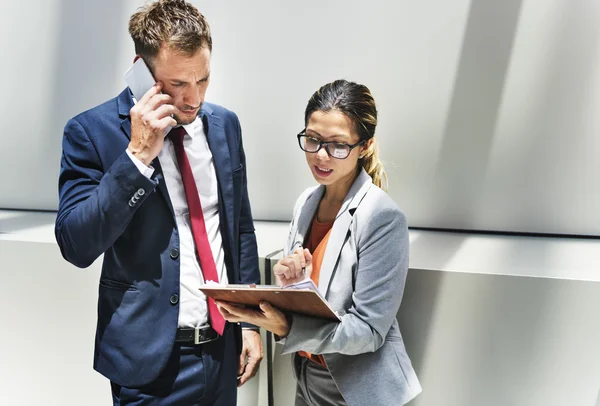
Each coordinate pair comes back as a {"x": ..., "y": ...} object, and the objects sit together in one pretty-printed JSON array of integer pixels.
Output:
[{"x": 183, "y": 119}]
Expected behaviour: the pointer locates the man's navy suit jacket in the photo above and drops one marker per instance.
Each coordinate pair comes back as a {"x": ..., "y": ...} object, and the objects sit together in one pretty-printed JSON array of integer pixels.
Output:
[{"x": 108, "y": 207}]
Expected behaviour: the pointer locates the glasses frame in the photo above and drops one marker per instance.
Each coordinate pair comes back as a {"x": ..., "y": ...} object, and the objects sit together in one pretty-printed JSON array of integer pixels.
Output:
[{"x": 325, "y": 144}]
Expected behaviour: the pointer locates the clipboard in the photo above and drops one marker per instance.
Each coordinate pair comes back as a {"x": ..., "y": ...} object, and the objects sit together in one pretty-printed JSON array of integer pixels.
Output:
[{"x": 302, "y": 301}]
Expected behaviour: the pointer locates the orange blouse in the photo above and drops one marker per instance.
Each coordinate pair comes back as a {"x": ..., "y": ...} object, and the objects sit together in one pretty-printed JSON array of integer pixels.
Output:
[{"x": 316, "y": 244}]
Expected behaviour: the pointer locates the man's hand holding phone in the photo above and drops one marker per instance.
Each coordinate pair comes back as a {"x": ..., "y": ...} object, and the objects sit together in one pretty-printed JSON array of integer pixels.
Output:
[{"x": 150, "y": 118}]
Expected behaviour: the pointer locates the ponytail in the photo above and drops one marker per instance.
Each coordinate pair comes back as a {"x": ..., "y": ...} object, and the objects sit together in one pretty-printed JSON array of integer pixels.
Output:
[{"x": 374, "y": 167}]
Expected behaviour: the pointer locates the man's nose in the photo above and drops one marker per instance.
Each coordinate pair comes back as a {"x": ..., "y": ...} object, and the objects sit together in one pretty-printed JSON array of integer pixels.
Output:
[{"x": 194, "y": 96}]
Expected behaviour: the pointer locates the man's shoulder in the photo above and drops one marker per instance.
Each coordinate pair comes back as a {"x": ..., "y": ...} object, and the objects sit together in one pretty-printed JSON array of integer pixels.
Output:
[
  {"x": 218, "y": 110},
  {"x": 106, "y": 110}
]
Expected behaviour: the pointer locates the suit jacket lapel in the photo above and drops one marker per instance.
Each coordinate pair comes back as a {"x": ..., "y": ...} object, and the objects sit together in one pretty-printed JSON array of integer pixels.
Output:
[
  {"x": 162, "y": 185},
  {"x": 125, "y": 103},
  {"x": 219, "y": 148},
  {"x": 340, "y": 229}
]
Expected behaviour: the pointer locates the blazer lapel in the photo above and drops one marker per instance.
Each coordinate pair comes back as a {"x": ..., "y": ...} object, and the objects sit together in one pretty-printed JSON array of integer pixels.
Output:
[
  {"x": 340, "y": 229},
  {"x": 162, "y": 185},
  {"x": 125, "y": 103},
  {"x": 305, "y": 217},
  {"x": 219, "y": 148}
]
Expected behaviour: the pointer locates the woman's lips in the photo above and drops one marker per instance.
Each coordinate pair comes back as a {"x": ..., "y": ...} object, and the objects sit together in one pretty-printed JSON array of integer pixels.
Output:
[{"x": 323, "y": 172}]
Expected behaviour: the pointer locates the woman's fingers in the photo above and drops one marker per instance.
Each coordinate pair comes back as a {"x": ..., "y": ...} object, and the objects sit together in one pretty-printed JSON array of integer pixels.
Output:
[
  {"x": 294, "y": 267},
  {"x": 307, "y": 256},
  {"x": 283, "y": 270},
  {"x": 288, "y": 269},
  {"x": 299, "y": 254},
  {"x": 232, "y": 312}
]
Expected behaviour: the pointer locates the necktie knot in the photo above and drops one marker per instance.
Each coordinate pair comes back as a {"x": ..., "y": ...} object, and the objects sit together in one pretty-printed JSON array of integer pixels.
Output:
[{"x": 176, "y": 135}]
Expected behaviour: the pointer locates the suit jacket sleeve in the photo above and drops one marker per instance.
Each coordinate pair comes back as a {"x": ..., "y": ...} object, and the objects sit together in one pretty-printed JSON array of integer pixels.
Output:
[
  {"x": 249, "y": 269},
  {"x": 382, "y": 246},
  {"x": 248, "y": 250},
  {"x": 94, "y": 203}
]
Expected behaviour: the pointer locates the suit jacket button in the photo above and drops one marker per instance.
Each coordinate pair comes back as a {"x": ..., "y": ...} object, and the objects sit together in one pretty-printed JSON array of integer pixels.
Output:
[
  {"x": 174, "y": 254},
  {"x": 174, "y": 299}
]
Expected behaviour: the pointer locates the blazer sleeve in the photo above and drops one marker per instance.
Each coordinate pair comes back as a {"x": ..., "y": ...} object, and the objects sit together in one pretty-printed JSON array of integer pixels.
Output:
[
  {"x": 95, "y": 205},
  {"x": 382, "y": 250},
  {"x": 248, "y": 249}
]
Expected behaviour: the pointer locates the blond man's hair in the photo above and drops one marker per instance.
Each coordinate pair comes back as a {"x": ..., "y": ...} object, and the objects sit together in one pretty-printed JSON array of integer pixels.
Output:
[{"x": 175, "y": 24}]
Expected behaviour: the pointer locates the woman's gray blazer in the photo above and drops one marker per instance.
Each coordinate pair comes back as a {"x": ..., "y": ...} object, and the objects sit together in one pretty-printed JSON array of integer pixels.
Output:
[{"x": 362, "y": 277}]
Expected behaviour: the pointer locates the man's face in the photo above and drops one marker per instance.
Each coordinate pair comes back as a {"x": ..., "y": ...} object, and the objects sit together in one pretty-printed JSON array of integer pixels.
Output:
[{"x": 185, "y": 78}]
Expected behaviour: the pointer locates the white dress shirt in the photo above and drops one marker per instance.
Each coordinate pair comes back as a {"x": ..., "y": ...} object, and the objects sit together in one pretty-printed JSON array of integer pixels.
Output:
[{"x": 193, "y": 310}]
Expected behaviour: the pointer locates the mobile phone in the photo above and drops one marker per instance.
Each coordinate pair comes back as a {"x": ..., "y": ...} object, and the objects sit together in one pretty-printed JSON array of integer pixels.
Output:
[{"x": 139, "y": 79}]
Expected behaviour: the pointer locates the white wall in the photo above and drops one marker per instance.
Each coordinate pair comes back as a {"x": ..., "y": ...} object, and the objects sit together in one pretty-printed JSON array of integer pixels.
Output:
[
  {"x": 48, "y": 321},
  {"x": 487, "y": 320},
  {"x": 488, "y": 110}
]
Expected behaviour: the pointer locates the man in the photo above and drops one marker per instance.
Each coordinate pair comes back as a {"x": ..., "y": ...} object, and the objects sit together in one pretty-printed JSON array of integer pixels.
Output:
[{"x": 169, "y": 211}]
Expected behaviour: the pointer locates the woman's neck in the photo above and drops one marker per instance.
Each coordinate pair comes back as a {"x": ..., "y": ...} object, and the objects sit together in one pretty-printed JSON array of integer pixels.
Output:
[
  {"x": 336, "y": 193},
  {"x": 334, "y": 198}
]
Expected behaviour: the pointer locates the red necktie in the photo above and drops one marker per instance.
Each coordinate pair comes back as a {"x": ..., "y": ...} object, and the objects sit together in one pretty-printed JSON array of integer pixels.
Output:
[{"x": 203, "y": 250}]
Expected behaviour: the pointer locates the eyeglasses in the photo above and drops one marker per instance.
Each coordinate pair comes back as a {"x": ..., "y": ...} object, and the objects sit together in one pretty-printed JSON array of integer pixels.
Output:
[{"x": 338, "y": 150}]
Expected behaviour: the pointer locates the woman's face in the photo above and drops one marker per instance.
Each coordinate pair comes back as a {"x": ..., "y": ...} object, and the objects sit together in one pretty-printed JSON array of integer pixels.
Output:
[{"x": 332, "y": 126}]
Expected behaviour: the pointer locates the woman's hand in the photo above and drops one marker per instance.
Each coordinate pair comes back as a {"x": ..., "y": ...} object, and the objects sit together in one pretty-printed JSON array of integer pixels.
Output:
[
  {"x": 293, "y": 268},
  {"x": 268, "y": 317}
]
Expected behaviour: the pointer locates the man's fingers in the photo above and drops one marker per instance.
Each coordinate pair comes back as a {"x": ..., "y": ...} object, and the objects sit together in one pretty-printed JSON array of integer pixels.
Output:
[
  {"x": 166, "y": 122},
  {"x": 242, "y": 365},
  {"x": 151, "y": 92},
  {"x": 165, "y": 110},
  {"x": 159, "y": 125},
  {"x": 249, "y": 371},
  {"x": 245, "y": 377},
  {"x": 158, "y": 100},
  {"x": 252, "y": 348}
]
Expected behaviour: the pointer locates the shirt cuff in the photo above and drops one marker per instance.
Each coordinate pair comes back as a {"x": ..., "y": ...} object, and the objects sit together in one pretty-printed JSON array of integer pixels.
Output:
[{"x": 147, "y": 171}]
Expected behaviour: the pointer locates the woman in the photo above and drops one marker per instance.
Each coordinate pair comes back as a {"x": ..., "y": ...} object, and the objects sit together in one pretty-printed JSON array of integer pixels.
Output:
[{"x": 351, "y": 239}]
